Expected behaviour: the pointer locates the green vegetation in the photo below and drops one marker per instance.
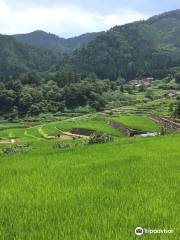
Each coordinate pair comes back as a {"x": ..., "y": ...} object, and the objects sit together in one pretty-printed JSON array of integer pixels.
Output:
[
  {"x": 45, "y": 130},
  {"x": 177, "y": 110},
  {"x": 59, "y": 186},
  {"x": 144, "y": 48},
  {"x": 13, "y": 133},
  {"x": 33, "y": 94},
  {"x": 16, "y": 58},
  {"x": 48, "y": 97},
  {"x": 65, "y": 172},
  {"x": 97, "y": 125},
  {"x": 90, "y": 192},
  {"x": 56, "y": 44},
  {"x": 140, "y": 49},
  {"x": 110, "y": 71},
  {"x": 138, "y": 122}
]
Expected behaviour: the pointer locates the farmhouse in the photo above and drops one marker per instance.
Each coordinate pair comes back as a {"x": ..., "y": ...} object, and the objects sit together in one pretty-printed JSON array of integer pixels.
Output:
[{"x": 145, "y": 82}]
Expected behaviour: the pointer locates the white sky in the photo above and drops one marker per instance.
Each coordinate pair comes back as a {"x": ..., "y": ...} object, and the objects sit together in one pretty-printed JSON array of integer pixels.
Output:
[{"x": 69, "y": 18}]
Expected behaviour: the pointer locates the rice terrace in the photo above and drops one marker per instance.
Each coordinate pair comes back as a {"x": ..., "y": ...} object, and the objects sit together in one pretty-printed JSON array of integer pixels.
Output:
[
  {"x": 89, "y": 120},
  {"x": 58, "y": 185}
]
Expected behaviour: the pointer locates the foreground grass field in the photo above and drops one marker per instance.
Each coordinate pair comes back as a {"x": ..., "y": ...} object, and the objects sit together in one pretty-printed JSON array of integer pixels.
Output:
[{"x": 94, "y": 192}]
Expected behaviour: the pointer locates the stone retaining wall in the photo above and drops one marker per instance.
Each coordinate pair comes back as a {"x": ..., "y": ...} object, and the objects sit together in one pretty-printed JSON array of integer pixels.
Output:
[
  {"x": 165, "y": 122},
  {"x": 81, "y": 131},
  {"x": 125, "y": 130}
]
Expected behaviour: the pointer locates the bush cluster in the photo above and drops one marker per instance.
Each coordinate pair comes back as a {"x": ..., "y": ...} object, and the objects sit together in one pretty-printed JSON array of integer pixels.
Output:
[
  {"x": 61, "y": 145},
  {"x": 24, "y": 148},
  {"x": 100, "y": 138}
]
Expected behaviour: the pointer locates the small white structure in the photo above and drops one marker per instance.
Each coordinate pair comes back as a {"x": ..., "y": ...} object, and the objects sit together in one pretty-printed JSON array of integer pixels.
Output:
[
  {"x": 178, "y": 93},
  {"x": 171, "y": 95},
  {"x": 14, "y": 141}
]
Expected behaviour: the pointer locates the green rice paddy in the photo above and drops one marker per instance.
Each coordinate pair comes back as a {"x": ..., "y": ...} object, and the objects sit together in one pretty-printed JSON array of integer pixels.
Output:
[
  {"x": 90, "y": 192},
  {"x": 138, "y": 122},
  {"x": 97, "y": 125}
]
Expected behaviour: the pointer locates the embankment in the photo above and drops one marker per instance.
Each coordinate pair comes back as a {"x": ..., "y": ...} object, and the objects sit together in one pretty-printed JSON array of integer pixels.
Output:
[
  {"x": 169, "y": 124},
  {"x": 125, "y": 130}
]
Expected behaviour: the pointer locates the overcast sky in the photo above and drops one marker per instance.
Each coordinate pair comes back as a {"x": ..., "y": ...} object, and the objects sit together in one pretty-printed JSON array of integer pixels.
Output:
[{"x": 68, "y": 18}]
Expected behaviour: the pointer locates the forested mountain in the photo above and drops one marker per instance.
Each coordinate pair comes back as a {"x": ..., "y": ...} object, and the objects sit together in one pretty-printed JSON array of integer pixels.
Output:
[
  {"x": 144, "y": 48},
  {"x": 52, "y": 42},
  {"x": 42, "y": 81},
  {"x": 16, "y": 57}
]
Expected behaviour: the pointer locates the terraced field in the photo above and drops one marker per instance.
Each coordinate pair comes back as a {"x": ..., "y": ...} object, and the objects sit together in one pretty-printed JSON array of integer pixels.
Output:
[
  {"x": 137, "y": 122},
  {"x": 98, "y": 123},
  {"x": 13, "y": 133},
  {"x": 91, "y": 192},
  {"x": 101, "y": 126},
  {"x": 84, "y": 191},
  {"x": 56, "y": 128},
  {"x": 157, "y": 106}
]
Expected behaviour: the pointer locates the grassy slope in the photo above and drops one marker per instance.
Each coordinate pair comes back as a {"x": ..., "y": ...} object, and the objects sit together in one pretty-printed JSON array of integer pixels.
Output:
[
  {"x": 36, "y": 132},
  {"x": 97, "y": 125},
  {"x": 92, "y": 192},
  {"x": 138, "y": 122},
  {"x": 13, "y": 133}
]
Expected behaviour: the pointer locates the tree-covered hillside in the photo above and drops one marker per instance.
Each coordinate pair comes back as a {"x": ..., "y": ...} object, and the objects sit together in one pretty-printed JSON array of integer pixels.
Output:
[
  {"x": 139, "y": 49},
  {"x": 135, "y": 50},
  {"x": 56, "y": 44},
  {"x": 145, "y": 48},
  {"x": 31, "y": 94},
  {"x": 16, "y": 57}
]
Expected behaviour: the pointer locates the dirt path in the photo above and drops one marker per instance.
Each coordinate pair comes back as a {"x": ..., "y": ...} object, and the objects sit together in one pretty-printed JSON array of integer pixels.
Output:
[
  {"x": 74, "y": 135},
  {"x": 46, "y": 136},
  {"x": 13, "y": 141},
  {"x": 3, "y": 142}
]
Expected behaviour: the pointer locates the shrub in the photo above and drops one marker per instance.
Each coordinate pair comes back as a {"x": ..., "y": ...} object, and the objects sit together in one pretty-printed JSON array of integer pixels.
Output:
[
  {"x": 60, "y": 145},
  {"x": 177, "y": 110},
  {"x": 109, "y": 113},
  {"x": 149, "y": 94},
  {"x": 99, "y": 138},
  {"x": 1, "y": 152},
  {"x": 162, "y": 131},
  {"x": 24, "y": 148}
]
